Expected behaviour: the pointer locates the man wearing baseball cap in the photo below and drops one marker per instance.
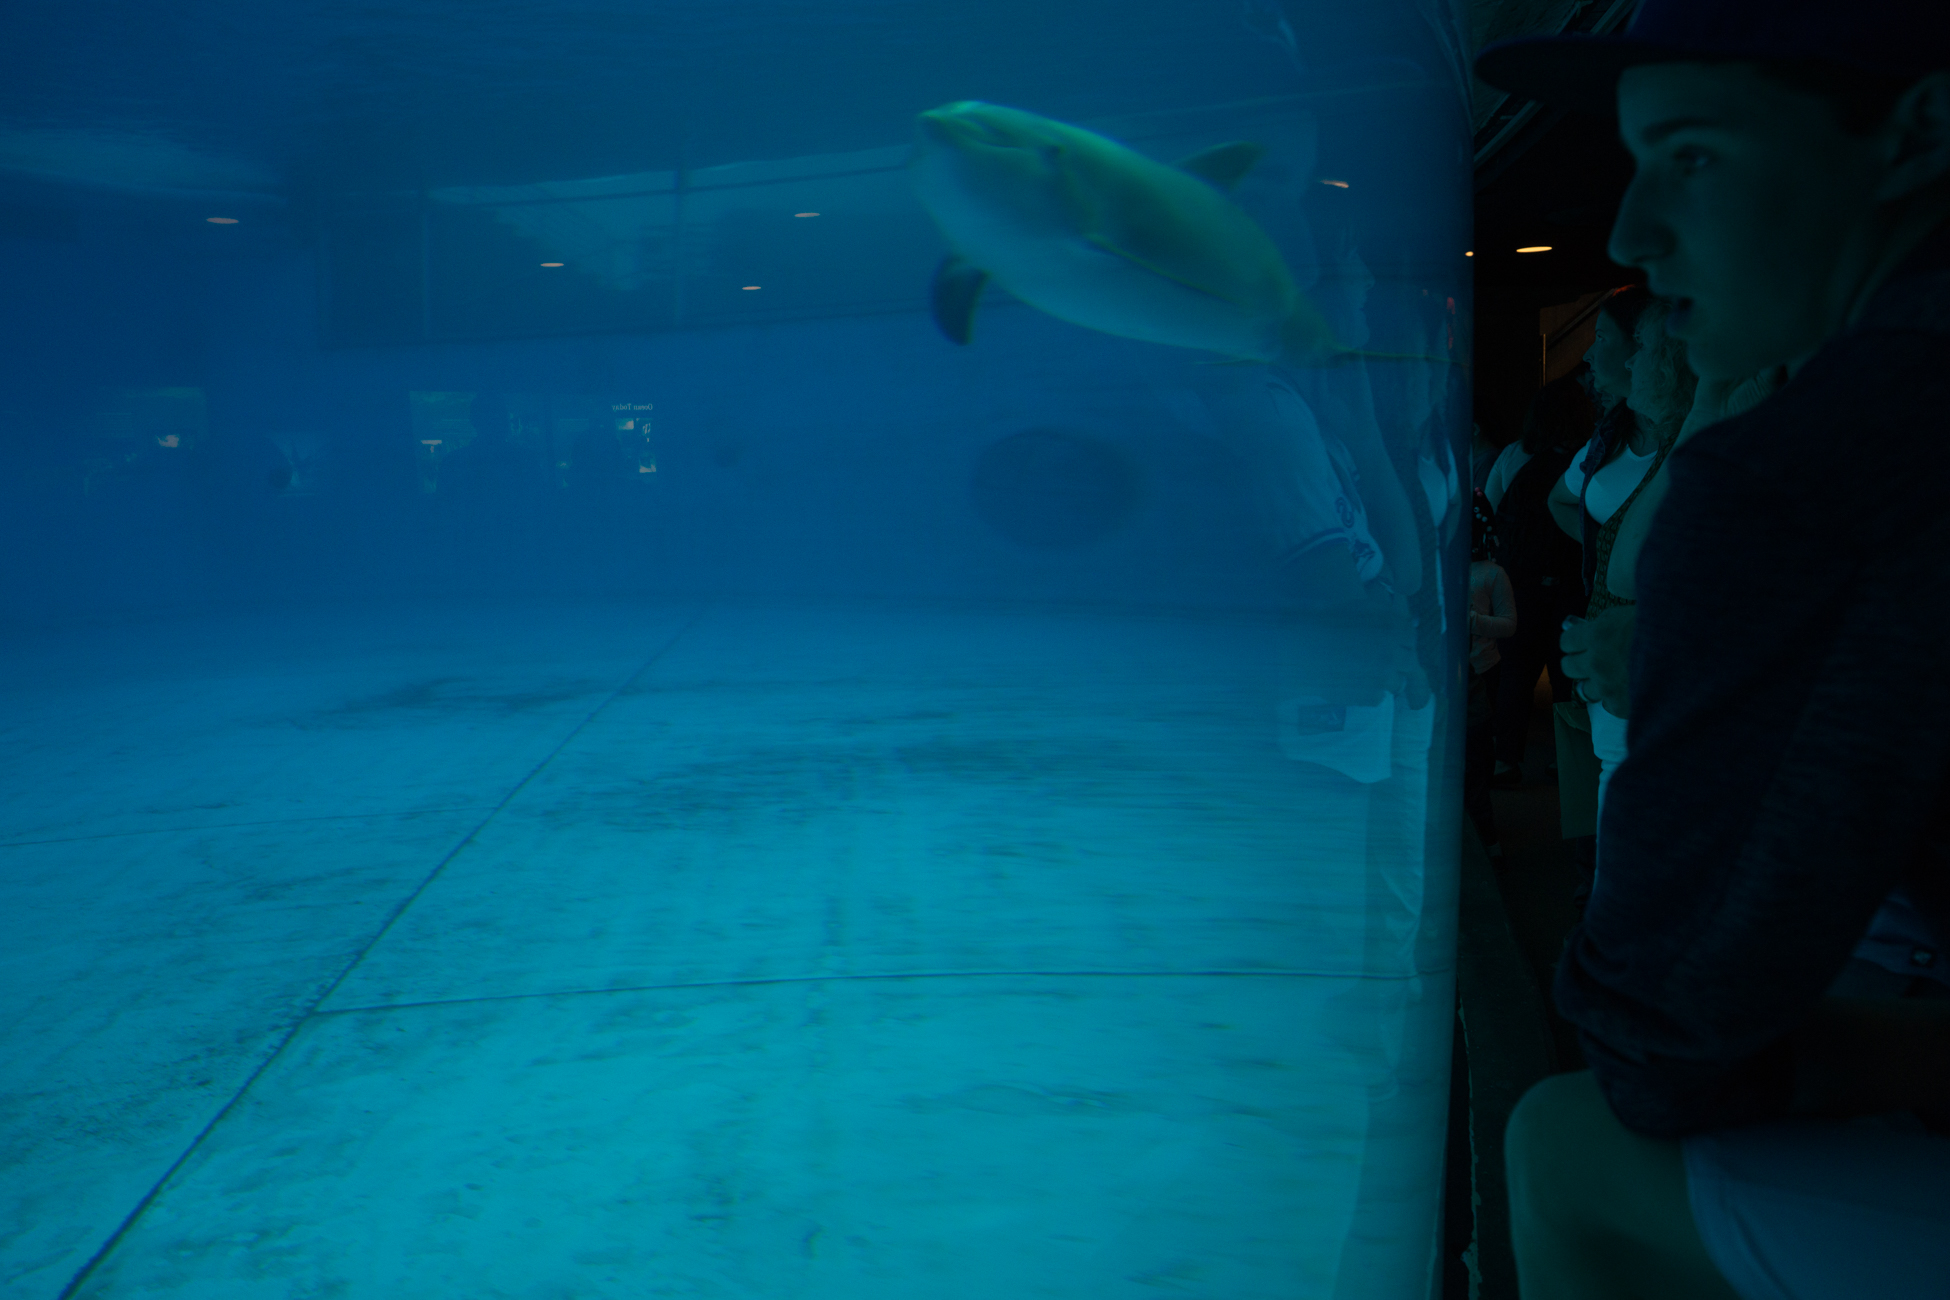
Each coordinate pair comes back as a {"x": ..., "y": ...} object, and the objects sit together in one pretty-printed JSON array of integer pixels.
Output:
[{"x": 1741, "y": 1132}]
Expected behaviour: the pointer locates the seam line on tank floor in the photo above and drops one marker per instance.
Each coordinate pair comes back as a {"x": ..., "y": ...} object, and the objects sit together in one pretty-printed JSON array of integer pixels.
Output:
[
  {"x": 1212, "y": 973},
  {"x": 291, "y": 1032},
  {"x": 226, "y": 826}
]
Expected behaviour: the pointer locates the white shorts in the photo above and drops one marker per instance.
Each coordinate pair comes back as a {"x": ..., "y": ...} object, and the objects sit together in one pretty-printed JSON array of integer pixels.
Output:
[
  {"x": 1820, "y": 1210},
  {"x": 1608, "y": 744}
]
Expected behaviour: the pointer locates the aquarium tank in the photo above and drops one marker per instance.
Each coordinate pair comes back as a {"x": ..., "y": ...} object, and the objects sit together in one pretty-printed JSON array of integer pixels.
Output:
[{"x": 730, "y": 648}]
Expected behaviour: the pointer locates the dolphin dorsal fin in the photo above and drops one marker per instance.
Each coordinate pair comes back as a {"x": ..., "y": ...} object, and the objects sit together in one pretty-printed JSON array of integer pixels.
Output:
[
  {"x": 957, "y": 288},
  {"x": 1223, "y": 164}
]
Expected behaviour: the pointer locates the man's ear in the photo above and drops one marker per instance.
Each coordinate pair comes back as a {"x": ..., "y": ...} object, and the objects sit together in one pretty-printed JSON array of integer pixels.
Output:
[{"x": 1917, "y": 137}]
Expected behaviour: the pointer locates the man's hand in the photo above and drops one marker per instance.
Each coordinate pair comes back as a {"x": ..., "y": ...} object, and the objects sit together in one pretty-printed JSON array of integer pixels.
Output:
[{"x": 1596, "y": 652}]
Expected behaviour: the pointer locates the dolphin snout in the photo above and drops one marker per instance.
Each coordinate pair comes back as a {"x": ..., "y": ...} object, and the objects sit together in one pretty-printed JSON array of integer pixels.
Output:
[
  {"x": 937, "y": 128},
  {"x": 943, "y": 128},
  {"x": 953, "y": 127}
]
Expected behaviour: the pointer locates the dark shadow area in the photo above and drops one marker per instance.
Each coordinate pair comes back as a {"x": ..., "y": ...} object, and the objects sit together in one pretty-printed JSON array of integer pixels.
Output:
[
  {"x": 1512, "y": 921},
  {"x": 1538, "y": 876}
]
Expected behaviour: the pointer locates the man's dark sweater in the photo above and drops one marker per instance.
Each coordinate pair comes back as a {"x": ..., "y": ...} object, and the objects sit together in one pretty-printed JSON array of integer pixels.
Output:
[{"x": 1790, "y": 729}]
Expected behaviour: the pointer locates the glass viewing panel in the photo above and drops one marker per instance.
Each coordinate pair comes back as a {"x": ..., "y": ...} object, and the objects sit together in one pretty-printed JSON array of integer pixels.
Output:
[{"x": 735, "y": 650}]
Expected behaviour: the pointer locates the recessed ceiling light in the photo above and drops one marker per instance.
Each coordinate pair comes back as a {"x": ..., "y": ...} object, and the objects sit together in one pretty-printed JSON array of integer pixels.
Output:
[
  {"x": 1339, "y": 185},
  {"x": 1470, "y": 253},
  {"x": 551, "y": 263},
  {"x": 1536, "y": 248},
  {"x": 221, "y": 221},
  {"x": 805, "y": 214},
  {"x": 750, "y": 288}
]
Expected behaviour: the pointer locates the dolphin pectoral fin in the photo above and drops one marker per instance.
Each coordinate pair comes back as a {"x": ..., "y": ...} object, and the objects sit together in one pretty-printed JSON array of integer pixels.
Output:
[
  {"x": 957, "y": 288},
  {"x": 1223, "y": 165}
]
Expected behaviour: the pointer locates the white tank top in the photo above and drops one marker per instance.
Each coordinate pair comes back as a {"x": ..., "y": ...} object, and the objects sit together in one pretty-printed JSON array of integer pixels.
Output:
[{"x": 1611, "y": 484}]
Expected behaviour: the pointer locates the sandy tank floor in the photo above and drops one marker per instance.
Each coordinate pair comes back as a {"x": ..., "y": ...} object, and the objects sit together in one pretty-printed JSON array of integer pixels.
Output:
[{"x": 840, "y": 952}]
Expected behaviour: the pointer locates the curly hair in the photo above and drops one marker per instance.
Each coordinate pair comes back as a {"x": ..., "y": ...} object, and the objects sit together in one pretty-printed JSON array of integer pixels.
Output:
[
  {"x": 1662, "y": 382},
  {"x": 1626, "y": 305}
]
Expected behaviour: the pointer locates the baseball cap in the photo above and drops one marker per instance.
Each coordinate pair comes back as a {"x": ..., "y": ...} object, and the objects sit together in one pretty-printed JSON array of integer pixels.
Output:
[{"x": 1893, "y": 38}]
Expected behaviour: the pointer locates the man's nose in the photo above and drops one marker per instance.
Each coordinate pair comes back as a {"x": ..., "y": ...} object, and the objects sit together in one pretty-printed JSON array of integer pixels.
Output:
[{"x": 1639, "y": 236}]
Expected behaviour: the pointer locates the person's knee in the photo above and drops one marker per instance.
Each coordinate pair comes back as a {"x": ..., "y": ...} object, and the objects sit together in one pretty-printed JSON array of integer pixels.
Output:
[
  {"x": 1542, "y": 1145},
  {"x": 1551, "y": 1104},
  {"x": 1556, "y": 1178},
  {"x": 1595, "y": 1209}
]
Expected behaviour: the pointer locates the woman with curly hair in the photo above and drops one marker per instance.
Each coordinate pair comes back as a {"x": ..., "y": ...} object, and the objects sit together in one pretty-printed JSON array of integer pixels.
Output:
[{"x": 1660, "y": 397}]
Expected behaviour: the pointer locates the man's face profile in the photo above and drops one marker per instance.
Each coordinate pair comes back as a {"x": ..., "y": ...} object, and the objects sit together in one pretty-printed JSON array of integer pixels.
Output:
[{"x": 1749, "y": 208}]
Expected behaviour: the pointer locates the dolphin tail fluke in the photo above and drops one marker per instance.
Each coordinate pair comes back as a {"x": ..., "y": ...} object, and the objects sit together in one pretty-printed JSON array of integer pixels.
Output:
[{"x": 957, "y": 288}]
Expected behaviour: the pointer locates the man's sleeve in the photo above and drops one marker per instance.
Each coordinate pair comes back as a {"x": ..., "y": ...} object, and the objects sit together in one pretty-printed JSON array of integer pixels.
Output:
[{"x": 1787, "y": 745}]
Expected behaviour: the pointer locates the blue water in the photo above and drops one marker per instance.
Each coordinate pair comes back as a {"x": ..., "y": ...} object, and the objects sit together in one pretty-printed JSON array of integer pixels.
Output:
[{"x": 661, "y": 774}]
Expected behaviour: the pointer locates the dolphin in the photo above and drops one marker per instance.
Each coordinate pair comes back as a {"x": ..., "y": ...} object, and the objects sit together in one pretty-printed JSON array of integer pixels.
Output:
[{"x": 1097, "y": 234}]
